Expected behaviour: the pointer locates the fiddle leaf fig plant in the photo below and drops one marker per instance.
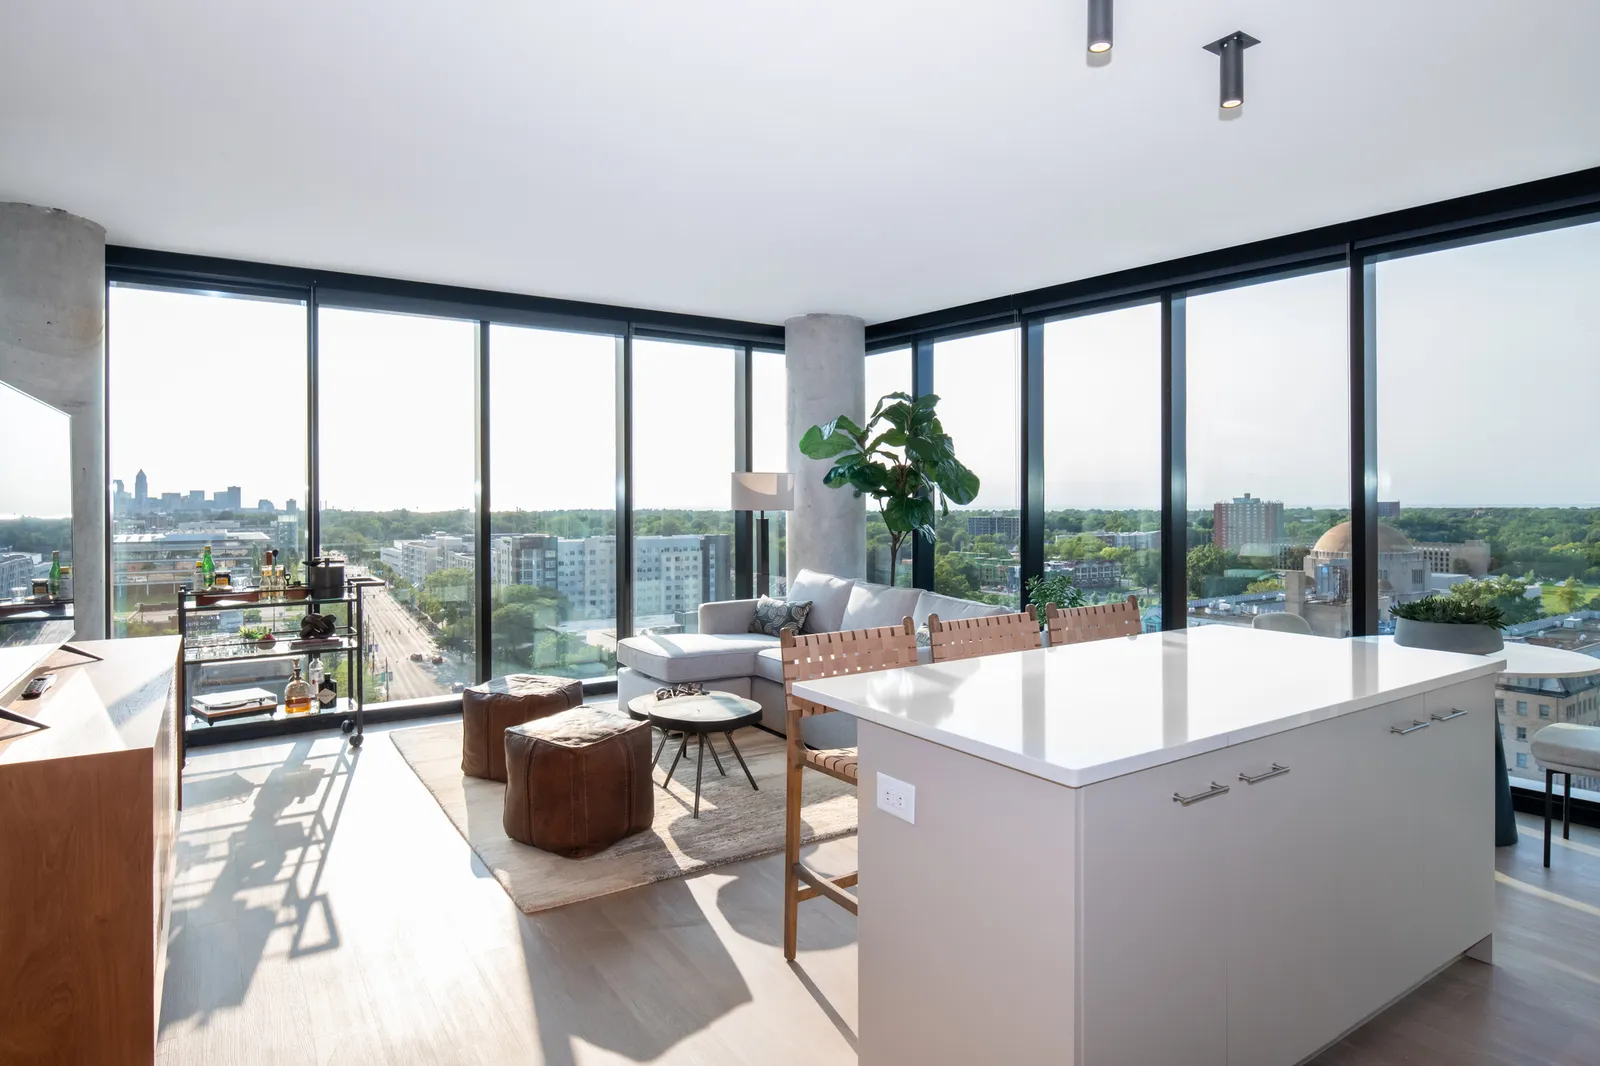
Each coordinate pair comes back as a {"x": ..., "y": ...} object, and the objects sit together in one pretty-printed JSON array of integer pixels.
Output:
[{"x": 902, "y": 458}]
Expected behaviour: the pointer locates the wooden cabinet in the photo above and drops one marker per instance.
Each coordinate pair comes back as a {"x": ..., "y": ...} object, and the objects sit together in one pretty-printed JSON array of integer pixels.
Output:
[
  {"x": 1345, "y": 862},
  {"x": 88, "y": 814}
]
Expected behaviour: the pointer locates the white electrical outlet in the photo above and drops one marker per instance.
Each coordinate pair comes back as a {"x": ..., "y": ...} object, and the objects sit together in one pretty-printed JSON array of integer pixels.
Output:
[{"x": 898, "y": 798}]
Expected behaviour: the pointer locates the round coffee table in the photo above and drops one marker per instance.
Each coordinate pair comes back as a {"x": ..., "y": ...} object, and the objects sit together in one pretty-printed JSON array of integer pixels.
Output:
[{"x": 698, "y": 716}]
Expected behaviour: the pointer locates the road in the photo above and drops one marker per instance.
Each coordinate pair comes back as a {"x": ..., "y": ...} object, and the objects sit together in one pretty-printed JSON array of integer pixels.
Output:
[{"x": 398, "y": 635}]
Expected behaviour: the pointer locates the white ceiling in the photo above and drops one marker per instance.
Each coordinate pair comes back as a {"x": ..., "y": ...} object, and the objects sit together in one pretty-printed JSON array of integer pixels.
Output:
[{"x": 758, "y": 160}]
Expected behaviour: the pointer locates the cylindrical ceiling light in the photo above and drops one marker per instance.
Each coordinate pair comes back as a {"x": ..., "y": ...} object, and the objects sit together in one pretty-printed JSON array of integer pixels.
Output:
[
  {"x": 1231, "y": 51},
  {"x": 1099, "y": 26}
]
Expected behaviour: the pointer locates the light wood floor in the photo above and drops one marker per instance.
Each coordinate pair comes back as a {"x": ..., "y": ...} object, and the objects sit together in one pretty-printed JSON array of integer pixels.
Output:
[{"x": 327, "y": 912}]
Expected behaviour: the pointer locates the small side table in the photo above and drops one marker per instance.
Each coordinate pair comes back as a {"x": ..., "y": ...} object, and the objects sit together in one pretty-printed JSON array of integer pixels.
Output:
[{"x": 698, "y": 716}]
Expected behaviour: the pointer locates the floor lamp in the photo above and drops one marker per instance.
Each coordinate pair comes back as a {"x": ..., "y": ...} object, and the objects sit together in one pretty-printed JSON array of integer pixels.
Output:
[{"x": 762, "y": 492}]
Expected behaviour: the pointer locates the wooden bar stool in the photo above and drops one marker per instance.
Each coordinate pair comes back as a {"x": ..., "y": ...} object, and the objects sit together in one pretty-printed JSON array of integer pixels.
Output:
[
  {"x": 964, "y": 638},
  {"x": 807, "y": 656},
  {"x": 1100, "y": 621}
]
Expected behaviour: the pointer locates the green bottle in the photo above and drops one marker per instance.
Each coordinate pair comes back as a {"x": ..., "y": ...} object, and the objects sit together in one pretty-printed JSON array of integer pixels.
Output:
[
  {"x": 208, "y": 569},
  {"x": 55, "y": 575}
]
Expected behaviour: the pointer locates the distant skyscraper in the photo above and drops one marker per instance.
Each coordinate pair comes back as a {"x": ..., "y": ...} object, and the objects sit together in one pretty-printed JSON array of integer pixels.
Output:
[
  {"x": 1246, "y": 520},
  {"x": 288, "y": 505},
  {"x": 265, "y": 505},
  {"x": 229, "y": 500},
  {"x": 141, "y": 492}
]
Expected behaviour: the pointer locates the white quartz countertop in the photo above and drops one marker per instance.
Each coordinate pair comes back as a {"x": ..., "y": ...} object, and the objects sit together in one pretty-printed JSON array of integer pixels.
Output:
[{"x": 1084, "y": 713}]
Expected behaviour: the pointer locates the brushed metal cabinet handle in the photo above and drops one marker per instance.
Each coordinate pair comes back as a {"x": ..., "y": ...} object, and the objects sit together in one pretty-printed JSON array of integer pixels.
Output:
[
  {"x": 1416, "y": 724},
  {"x": 1214, "y": 790},
  {"x": 1276, "y": 771},
  {"x": 1449, "y": 717}
]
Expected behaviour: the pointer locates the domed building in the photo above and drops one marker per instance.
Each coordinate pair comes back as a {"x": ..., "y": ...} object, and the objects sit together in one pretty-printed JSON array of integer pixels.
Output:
[
  {"x": 1322, "y": 595},
  {"x": 1402, "y": 569}
]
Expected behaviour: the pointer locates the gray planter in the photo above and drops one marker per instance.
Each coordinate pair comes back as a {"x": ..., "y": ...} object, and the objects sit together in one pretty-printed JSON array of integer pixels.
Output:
[{"x": 1446, "y": 636}]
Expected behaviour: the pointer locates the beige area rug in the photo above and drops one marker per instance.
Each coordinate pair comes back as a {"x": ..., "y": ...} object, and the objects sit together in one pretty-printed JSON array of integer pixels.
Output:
[{"x": 735, "y": 821}]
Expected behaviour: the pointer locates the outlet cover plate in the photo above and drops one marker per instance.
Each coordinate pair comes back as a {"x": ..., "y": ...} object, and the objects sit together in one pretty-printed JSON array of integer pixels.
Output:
[{"x": 898, "y": 798}]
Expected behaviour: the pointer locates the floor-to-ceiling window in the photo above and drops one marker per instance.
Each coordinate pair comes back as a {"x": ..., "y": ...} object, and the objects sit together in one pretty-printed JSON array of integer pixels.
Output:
[
  {"x": 206, "y": 402},
  {"x": 552, "y": 496},
  {"x": 35, "y": 511},
  {"x": 1268, "y": 415},
  {"x": 1102, "y": 455},
  {"x": 769, "y": 449},
  {"x": 683, "y": 464},
  {"x": 977, "y": 379},
  {"x": 1488, "y": 363},
  {"x": 396, "y": 400},
  {"x": 887, "y": 371}
]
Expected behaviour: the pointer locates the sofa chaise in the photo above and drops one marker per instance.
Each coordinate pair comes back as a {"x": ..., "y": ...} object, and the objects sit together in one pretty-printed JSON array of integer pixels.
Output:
[{"x": 725, "y": 656}]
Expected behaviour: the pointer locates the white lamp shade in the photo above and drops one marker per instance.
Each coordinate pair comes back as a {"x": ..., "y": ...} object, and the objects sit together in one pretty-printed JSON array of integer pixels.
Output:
[{"x": 763, "y": 492}]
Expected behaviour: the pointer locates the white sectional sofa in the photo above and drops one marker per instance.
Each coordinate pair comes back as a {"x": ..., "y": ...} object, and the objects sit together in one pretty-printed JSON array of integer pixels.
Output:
[{"x": 725, "y": 656}]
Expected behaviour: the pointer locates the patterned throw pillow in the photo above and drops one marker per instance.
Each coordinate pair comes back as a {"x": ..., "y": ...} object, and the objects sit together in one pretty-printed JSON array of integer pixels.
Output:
[{"x": 774, "y": 616}]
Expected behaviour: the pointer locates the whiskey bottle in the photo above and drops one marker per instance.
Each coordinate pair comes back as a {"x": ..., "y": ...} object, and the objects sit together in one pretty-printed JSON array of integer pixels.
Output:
[{"x": 297, "y": 695}]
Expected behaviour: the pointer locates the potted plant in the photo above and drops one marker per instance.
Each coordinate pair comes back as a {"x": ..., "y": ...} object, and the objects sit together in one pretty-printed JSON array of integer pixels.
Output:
[
  {"x": 261, "y": 637},
  {"x": 1445, "y": 623},
  {"x": 1057, "y": 588},
  {"x": 902, "y": 458}
]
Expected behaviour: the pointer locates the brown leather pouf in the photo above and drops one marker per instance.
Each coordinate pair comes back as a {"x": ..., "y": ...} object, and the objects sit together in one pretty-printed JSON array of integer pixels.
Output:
[
  {"x": 578, "y": 782},
  {"x": 487, "y": 710}
]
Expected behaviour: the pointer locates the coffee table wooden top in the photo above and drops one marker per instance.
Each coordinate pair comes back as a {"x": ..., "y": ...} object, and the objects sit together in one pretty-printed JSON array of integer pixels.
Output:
[{"x": 711, "y": 712}]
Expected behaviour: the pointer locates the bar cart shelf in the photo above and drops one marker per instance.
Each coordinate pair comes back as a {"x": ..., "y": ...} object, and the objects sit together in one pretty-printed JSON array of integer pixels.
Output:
[{"x": 202, "y": 650}]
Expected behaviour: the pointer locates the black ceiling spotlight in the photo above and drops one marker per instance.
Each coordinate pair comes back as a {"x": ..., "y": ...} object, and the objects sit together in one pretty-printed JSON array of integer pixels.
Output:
[
  {"x": 1231, "y": 50},
  {"x": 1099, "y": 26}
]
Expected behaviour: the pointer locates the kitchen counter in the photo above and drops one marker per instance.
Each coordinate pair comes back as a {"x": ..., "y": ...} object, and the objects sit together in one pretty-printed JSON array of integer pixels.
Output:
[{"x": 1084, "y": 713}]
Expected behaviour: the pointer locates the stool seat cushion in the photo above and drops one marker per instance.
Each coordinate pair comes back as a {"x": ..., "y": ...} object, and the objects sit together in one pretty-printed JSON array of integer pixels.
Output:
[
  {"x": 578, "y": 781},
  {"x": 1567, "y": 744},
  {"x": 487, "y": 710}
]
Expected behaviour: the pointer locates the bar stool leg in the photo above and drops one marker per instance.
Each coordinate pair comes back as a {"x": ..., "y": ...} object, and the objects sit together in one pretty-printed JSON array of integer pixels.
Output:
[
  {"x": 1566, "y": 807},
  {"x": 1549, "y": 798}
]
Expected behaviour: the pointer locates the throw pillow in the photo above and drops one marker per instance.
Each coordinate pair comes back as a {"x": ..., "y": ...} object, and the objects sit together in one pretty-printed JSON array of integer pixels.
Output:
[{"x": 774, "y": 616}]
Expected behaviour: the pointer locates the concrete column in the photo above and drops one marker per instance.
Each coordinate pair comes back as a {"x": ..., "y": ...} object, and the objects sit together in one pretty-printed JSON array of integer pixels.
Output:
[
  {"x": 52, "y": 347},
  {"x": 826, "y": 359}
]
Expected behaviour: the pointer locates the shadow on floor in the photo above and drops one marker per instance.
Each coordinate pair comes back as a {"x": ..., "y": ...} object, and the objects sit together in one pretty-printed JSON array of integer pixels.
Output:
[{"x": 269, "y": 877}]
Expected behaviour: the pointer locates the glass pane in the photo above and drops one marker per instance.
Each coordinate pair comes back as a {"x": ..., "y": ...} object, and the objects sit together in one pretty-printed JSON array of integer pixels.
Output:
[
  {"x": 976, "y": 555},
  {"x": 1102, "y": 458},
  {"x": 683, "y": 463},
  {"x": 1475, "y": 344},
  {"x": 398, "y": 473},
  {"x": 35, "y": 514},
  {"x": 207, "y": 406},
  {"x": 769, "y": 450},
  {"x": 1269, "y": 453},
  {"x": 553, "y": 470},
  {"x": 887, "y": 372}
]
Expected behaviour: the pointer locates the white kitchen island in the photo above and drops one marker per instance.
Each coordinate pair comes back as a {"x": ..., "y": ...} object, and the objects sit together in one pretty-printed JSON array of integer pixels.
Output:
[{"x": 1178, "y": 849}]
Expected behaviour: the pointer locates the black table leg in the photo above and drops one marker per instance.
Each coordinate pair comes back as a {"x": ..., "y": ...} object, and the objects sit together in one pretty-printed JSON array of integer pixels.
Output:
[
  {"x": 659, "y": 749},
  {"x": 1566, "y": 807},
  {"x": 699, "y": 765},
  {"x": 742, "y": 765},
  {"x": 681, "y": 749},
  {"x": 1549, "y": 798},
  {"x": 714, "y": 756}
]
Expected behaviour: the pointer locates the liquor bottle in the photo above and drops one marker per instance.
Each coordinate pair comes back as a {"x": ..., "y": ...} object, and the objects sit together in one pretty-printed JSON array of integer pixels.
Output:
[
  {"x": 55, "y": 575},
  {"x": 297, "y": 695},
  {"x": 199, "y": 576},
  {"x": 265, "y": 583},
  {"x": 208, "y": 569}
]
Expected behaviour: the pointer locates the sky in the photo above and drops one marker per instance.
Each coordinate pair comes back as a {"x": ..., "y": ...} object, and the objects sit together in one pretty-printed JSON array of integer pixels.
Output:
[
  {"x": 36, "y": 476},
  {"x": 1489, "y": 370}
]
